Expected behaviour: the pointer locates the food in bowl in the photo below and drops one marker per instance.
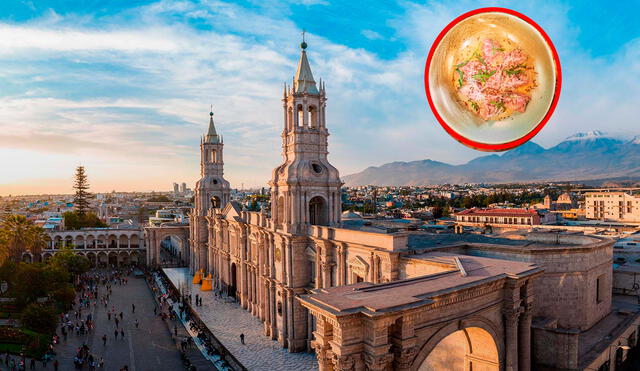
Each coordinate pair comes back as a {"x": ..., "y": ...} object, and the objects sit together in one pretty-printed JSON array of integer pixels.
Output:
[{"x": 494, "y": 78}]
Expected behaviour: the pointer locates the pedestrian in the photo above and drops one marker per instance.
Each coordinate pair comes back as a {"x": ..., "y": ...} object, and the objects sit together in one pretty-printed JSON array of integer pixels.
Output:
[
  {"x": 109, "y": 315},
  {"x": 133, "y": 308},
  {"x": 121, "y": 315},
  {"x": 155, "y": 311},
  {"x": 137, "y": 323},
  {"x": 122, "y": 333},
  {"x": 115, "y": 333},
  {"x": 117, "y": 322},
  {"x": 242, "y": 339},
  {"x": 32, "y": 365},
  {"x": 101, "y": 363},
  {"x": 104, "y": 340},
  {"x": 175, "y": 330},
  {"x": 56, "y": 364}
]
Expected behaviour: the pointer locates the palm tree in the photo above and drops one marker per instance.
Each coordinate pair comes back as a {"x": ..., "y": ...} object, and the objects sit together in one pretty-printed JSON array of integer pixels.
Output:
[{"x": 18, "y": 235}]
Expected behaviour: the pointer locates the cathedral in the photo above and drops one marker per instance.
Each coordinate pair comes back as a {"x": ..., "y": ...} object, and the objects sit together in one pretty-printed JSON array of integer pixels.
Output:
[
  {"x": 367, "y": 299},
  {"x": 267, "y": 261}
]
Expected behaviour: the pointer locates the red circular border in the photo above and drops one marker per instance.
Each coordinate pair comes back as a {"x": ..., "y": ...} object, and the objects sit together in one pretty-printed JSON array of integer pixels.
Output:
[{"x": 529, "y": 135}]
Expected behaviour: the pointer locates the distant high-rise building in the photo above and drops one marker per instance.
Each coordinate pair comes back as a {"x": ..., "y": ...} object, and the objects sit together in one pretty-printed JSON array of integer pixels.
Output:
[
  {"x": 175, "y": 188},
  {"x": 183, "y": 187}
]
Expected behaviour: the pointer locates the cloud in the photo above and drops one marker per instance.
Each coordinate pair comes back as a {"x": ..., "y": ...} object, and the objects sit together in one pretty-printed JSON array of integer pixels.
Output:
[
  {"x": 131, "y": 90},
  {"x": 371, "y": 35}
]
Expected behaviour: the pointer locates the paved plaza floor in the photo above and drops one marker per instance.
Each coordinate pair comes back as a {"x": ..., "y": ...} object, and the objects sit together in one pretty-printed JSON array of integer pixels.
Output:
[
  {"x": 227, "y": 320},
  {"x": 149, "y": 347}
]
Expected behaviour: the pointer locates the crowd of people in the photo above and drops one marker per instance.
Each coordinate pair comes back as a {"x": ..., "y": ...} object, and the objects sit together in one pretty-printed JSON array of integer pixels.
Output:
[{"x": 175, "y": 305}]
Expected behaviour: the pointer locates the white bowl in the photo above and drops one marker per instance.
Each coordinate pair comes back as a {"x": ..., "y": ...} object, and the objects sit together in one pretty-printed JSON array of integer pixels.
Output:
[{"x": 454, "y": 116}]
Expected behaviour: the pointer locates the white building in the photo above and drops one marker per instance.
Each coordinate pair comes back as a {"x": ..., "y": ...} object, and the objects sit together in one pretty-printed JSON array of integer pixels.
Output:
[{"x": 613, "y": 206}]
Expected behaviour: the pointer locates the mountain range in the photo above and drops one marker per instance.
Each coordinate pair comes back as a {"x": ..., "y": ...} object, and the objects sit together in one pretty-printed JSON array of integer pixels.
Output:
[{"x": 581, "y": 157}]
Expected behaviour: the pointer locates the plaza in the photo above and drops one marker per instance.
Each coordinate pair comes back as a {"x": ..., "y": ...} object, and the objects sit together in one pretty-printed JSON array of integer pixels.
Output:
[
  {"x": 227, "y": 320},
  {"x": 149, "y": 347}
]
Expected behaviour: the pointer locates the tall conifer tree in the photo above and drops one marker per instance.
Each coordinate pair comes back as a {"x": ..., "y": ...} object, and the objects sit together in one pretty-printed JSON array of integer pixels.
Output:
[{"x": 81, "y": 185}]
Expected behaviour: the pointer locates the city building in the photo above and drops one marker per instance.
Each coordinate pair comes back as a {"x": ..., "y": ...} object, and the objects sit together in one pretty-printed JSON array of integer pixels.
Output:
[
  {"x": 183, "y": 188},
  {"x": 176, "y": 188},
  {"x": 102, "y": 246},
  {"x": 504, "y": 218},
  {"x": 613, "y": 206},
  {"x": 367, "y": 298}
]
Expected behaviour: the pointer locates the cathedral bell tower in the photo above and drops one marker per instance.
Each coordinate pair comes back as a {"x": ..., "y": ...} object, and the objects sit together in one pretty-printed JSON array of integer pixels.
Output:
[
  {"x": 305, "y": 189},
  {"x": 211, "y": 191}
]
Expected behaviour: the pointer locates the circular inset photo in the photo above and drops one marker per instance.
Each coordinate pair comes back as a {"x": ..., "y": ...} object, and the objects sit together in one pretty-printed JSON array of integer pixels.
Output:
[{"x": 492, "y": 79}]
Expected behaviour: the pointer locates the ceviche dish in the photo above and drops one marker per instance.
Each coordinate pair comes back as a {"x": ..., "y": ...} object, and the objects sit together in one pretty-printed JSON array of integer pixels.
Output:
[{"x": 494, "y": 78}]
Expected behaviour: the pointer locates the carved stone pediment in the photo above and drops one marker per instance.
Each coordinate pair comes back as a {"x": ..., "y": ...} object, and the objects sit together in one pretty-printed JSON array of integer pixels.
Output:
[
  {"x": 231, "y": 211},
  {"x": 359, "y": 266}
]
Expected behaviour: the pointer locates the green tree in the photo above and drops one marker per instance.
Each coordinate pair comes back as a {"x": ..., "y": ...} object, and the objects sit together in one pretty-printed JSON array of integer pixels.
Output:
[
  {"x": 73, "y": 220},
  {"x": 40, "y": 318},
  {"x": 70, "y": 262},
  {"x": 82, "y": 196},
  {"x": 19, "y": 235}
]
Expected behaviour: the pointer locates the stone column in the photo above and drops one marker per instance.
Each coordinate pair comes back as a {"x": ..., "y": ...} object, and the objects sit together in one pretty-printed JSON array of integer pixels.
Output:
[
  {"x": 511, "y": 338},
  {"x": 524, "y": 338},
  {"x": 318, "y": 264},
  {"x": 326, "y": 274},
  {"x": 272, "y": 308},
  {"x": 266, "y": 312},
  {"x": 321, "y": 343},
  {"x": 377, "y": 355},
  {"x": 340, "y": 266}
]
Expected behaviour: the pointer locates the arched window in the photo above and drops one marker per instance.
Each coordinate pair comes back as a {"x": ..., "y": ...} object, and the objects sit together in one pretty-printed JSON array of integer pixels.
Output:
[
  {"x": 289, "y": 119},
  {"x": 215, "y": 202},
  {"x": 313, "y": 117},
  {"x": 300, "y": 115},
  {"x": 317, "y": 211},
  {"x": 214, "y": 156}
]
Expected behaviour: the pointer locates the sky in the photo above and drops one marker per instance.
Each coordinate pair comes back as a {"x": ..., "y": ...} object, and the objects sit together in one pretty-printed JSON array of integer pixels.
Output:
[{"x": 125, "y": 87}]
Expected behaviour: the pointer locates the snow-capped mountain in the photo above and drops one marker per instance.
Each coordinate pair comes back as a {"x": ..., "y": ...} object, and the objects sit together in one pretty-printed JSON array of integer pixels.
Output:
[{"x": 583, "y": 156}]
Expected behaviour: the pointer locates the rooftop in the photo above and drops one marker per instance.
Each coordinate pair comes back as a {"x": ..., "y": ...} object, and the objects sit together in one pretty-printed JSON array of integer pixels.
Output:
[{"x": 374, "y": 299}]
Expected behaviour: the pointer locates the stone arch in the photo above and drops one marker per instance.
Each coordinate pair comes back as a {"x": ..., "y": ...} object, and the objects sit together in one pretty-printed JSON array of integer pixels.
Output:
[
  {"x": 112, "y": 241},
  {"x": 480, "y": 342},
  {"x": 49, "y": 241},
  {"x": 27, "y": 258},
  {"x": 57, "y": 242},
  {"x": 290, "y": 118},
  {"x": 134, "y": 257},
  {"x": 90, "y": 242},
  {"x": 135, "y": 241},
  {"x": 154, "y": 237},
  {"x": 46, "y": 256},
  {"x": 215, "y": 201},
  {"x": 300, "y": 115},
  {"x": 313, "y": 116},
  {"x": 102, "y": 258},
  {"x": 123, "y": 258},
  {"x": 68, "y": 241},
  {"x": 113, "y": 258},
  {"x": 101, "y": 242},
  {"x": 123, "y": 241},
  {"x": 79, "y": 242},
  {"x": 318, "y": 211},
  {"x": 93, "y": 260}
]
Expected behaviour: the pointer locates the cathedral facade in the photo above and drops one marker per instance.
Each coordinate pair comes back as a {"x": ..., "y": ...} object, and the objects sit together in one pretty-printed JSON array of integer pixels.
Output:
[{"x": 268, "y": 261}]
